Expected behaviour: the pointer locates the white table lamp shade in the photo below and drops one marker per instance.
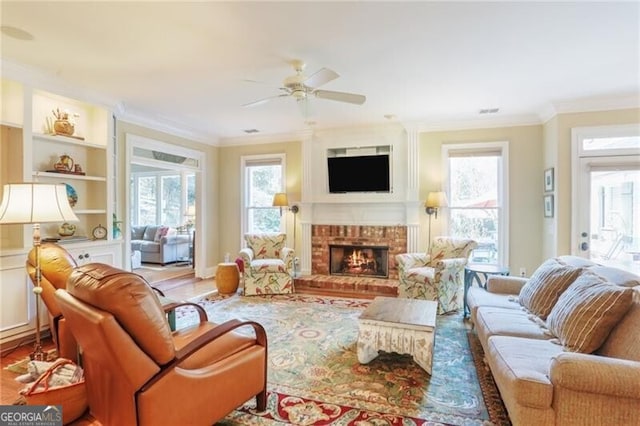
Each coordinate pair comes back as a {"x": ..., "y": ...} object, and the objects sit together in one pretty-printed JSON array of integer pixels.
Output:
[{"x": 35, "y": 203}]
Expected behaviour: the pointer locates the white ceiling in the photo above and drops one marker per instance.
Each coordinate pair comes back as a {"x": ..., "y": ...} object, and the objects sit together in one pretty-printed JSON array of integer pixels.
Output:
[{"x": 185, "y": 64}]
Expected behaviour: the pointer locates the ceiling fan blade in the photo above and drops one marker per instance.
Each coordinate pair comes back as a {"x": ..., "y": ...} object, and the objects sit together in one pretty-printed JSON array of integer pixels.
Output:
[
  {"x": 320, "y": 77},
  {"x": 262, "y": 101},
  {"x": 351, "y": 98}
]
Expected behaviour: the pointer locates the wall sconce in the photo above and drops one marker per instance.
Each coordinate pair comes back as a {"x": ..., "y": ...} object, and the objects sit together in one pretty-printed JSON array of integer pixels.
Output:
[
  {"x": 435, "y": 200},
  {"x": 280, "y": 200}
]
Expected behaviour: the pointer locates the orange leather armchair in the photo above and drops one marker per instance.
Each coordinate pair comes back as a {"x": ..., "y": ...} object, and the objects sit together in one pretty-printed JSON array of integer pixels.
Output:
[
  {"x": 56, "y": 265},
  {"x": 139, "y": 372}
]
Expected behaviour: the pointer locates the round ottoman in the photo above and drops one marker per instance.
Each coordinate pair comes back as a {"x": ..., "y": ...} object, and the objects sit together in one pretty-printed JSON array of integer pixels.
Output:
[{"x": 227, "y": 278}]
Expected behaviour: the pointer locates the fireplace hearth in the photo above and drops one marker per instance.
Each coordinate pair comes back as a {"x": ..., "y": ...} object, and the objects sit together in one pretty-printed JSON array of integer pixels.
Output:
[{"x": 358, "y": 260}]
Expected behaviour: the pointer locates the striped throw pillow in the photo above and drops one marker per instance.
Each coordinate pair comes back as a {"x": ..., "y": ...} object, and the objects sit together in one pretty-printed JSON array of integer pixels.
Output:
[
  {"x": 585, "y": 313},
  {"x": 545, "y": 286}
]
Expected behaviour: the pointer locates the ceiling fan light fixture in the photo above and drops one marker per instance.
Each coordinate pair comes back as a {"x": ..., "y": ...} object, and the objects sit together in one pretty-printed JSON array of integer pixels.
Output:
[{"x": 302, "y": 88}]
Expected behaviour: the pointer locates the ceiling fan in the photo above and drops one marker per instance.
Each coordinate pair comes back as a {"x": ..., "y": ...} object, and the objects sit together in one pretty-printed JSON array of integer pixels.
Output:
[{"x": 301, "y": 87}]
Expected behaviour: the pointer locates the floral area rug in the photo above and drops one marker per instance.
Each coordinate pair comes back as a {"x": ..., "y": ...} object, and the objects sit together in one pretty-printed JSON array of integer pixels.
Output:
[{"x": 314, "y": 377}]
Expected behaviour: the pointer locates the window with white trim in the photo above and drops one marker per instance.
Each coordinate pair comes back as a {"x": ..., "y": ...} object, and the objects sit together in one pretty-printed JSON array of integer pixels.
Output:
[
  {"x": 476, "y": 186},
  {"x": 162, "y": 197},
  {"x": 263, "y": 177}
]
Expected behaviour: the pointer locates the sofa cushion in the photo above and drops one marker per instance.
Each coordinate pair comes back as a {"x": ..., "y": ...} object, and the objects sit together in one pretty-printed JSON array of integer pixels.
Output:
[
  {"x": 520, "y": 367},
  {"x": 162, "y": 231},
  {"x": 478, "y": 297},
  {"x": 616, "y": 276},
  {"x": 150, "y": 233},
  {"x": 268, "y": 265},
  {"x": 149, "y": 247},
  {"x": 266, "y": 246},
  {"x": 492, "y": 321},
  {"x": 545, "y": 286},
  {"x": 137, "y": 232},
  {"x": 624, "y": 340},
  {"x": 420, "y": 275},
  {"x": 587, "y": 311}
]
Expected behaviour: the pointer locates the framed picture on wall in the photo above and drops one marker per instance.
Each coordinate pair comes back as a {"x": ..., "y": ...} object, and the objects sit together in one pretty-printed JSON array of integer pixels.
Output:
[
  {"x": 548, "y": 206},
  {"x": 548, "y": 180}
]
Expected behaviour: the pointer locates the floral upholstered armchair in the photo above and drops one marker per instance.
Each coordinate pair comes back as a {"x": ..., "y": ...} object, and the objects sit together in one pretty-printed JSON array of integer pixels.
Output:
[
  {"x": 268, "y": 264},
  {"x": 437, "y": 276}
]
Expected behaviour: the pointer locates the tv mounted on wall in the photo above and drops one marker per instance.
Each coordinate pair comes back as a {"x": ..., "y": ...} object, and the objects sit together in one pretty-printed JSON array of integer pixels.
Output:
[{"x": 363, "y": 173}]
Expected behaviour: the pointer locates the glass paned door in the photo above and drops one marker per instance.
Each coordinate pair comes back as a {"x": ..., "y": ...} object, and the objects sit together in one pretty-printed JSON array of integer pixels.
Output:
[
  {"x": 606, "y": 200},
  {"x": 610, "y": 216}
]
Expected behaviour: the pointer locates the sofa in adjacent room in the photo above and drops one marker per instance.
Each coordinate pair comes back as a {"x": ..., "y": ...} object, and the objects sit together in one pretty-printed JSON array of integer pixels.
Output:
[
  {"x": 159, "y": 244},
  {"x": 564, "y": 345}
]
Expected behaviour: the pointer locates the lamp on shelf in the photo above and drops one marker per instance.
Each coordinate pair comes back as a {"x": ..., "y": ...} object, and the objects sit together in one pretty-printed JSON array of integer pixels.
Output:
[
  {"x": 281, "y": 200},
  {"x": 35, "y": 203},
  {"x": 435, "y": 200}
]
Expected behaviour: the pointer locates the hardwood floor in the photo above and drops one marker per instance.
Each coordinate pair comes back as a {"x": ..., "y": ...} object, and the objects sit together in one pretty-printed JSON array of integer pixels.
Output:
[{"x": 185, "y": 287}]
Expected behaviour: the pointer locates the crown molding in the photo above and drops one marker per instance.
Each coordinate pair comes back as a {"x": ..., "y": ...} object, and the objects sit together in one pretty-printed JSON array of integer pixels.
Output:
[
  {"x": 40, "y": 80},
  {"x": 608, "y": 103},
  {"x": 163, "y": 124},
  {"x": 267, "y": 138},
  {"x": 483, "y": 123}
]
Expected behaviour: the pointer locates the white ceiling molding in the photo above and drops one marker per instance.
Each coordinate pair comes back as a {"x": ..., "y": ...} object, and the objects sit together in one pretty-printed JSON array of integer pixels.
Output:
[
  {"x": 608, "y": 103},
  {"x": 266, "y": 139},
  {"x": 40, "y": 80},
  {"x": 161, "y": 124},
  {"x": 481, "y": 123}
]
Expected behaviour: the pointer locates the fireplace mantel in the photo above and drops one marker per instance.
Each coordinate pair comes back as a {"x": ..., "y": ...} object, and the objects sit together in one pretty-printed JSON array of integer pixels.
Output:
[{"x": 365, "y": 213}]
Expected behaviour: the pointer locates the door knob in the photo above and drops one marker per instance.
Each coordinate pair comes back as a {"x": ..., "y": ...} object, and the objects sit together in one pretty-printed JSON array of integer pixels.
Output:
[{"x": 584, "y": 246}]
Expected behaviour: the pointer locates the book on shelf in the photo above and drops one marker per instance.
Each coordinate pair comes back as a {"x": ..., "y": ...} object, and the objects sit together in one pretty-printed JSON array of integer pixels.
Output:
[{"x": 72, "y": 239}]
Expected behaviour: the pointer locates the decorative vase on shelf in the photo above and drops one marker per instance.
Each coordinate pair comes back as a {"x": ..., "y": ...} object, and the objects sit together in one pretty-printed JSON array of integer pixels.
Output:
[
  {"x": 65, "y": 164},
  {"x": 66, "y": 230},
  {"x": 63, "y": 127}
]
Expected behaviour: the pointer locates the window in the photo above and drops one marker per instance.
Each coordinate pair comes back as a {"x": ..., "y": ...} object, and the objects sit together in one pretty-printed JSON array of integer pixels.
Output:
[
  {"x": 159, "y": 197},
  {"x": 263, "y": 177},
  {"x": 476, "y": 188}
]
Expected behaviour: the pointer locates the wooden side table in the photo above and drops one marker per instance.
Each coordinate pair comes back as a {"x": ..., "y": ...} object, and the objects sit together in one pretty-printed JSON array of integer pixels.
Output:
[
  {"x": 227, "y": 278},
  {"x": 478, "y": 273}
]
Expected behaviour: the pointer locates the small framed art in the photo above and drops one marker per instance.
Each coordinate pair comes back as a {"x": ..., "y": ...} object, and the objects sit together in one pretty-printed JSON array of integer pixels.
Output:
[
  {"x": 548, "y": 206},
  {"x": 548, "y": 180}
]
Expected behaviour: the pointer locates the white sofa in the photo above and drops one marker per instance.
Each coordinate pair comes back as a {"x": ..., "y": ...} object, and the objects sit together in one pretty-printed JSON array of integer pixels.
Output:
[{"x": 154, "y": 248}]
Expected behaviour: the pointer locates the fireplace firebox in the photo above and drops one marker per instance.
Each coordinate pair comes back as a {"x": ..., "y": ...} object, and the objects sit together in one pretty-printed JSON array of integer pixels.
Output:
[{"x": 357, "y": 260}]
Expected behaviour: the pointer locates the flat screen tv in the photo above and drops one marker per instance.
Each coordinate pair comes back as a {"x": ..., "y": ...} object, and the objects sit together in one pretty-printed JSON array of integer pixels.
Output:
[{"x": 365, "y": 173}]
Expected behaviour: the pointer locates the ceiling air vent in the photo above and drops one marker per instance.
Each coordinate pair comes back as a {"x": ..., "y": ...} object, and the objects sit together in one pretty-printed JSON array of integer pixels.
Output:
[{"x": 488, "y": 110}]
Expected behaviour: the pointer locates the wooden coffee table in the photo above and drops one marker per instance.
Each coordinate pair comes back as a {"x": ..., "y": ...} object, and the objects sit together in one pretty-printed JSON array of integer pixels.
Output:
[{"x": 404, "y": 326}]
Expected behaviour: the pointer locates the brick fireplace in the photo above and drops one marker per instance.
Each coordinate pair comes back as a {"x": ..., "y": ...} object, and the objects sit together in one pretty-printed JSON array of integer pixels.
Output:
[
  {"x": 359, "y": 260},
  {"x": 392, "y": 238}
]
